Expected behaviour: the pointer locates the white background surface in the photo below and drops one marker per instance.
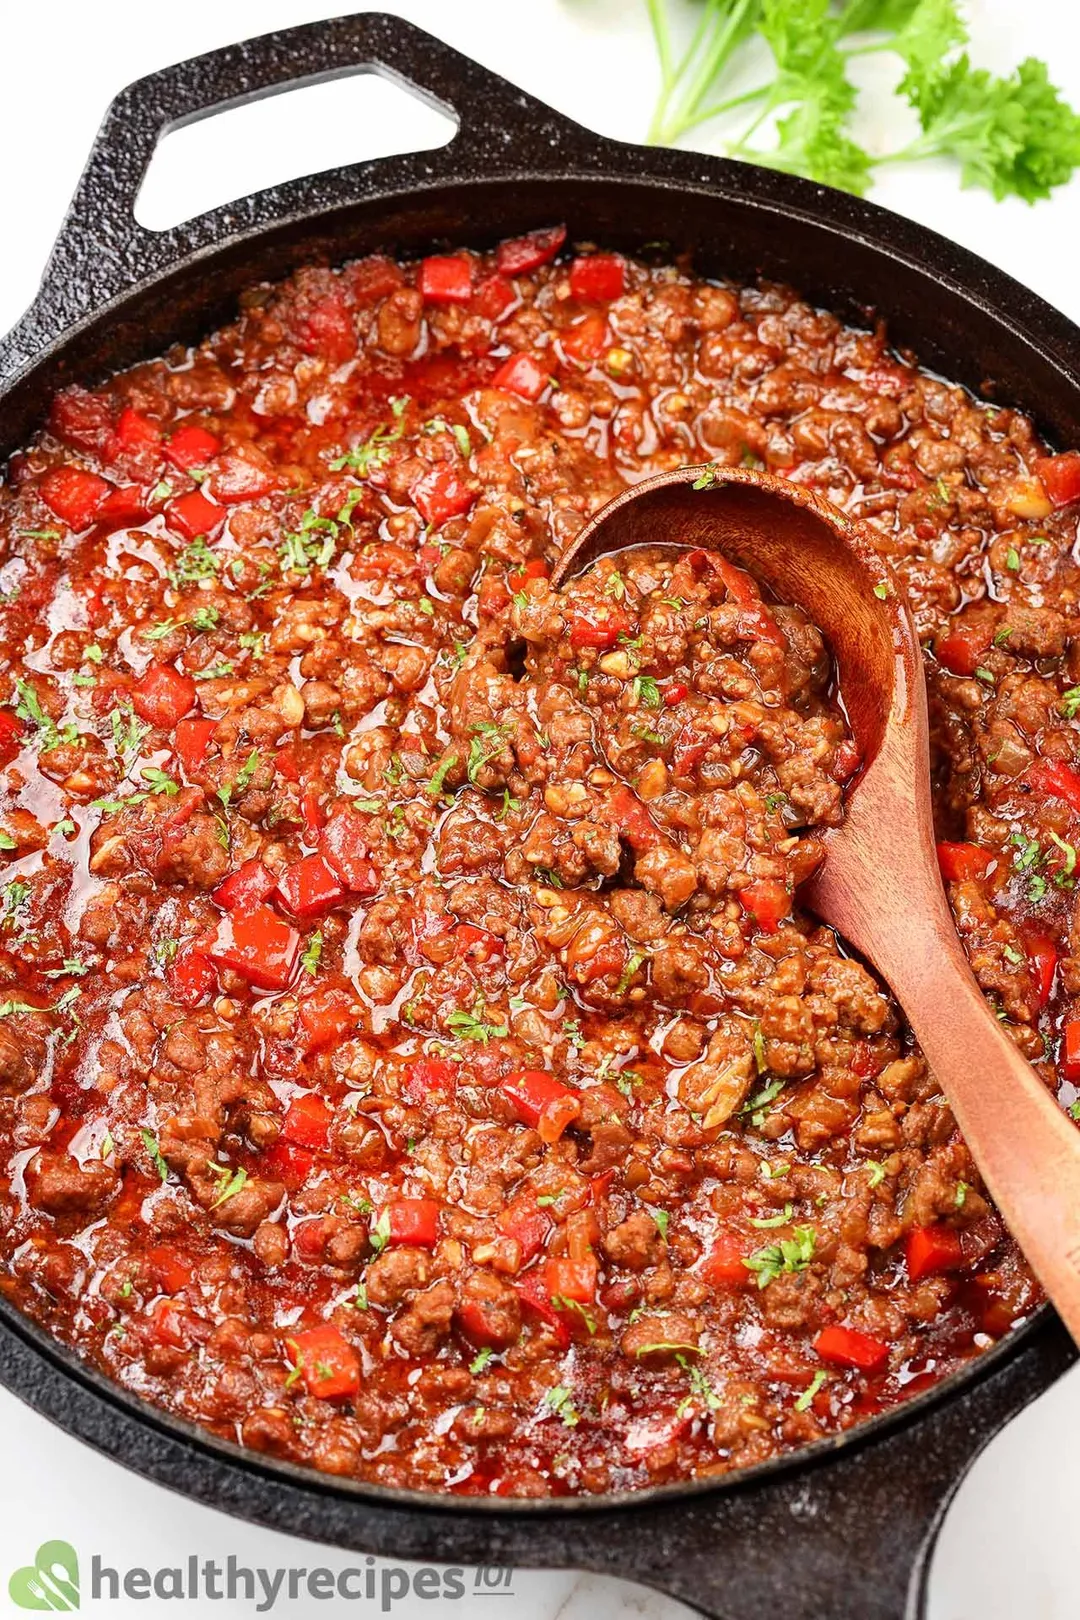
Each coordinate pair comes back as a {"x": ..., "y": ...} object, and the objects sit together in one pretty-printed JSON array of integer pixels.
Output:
[{"x": 1007, "y": 1552}]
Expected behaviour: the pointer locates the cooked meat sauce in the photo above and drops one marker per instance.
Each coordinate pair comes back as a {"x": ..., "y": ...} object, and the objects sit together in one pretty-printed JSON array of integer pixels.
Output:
[{"x": 414, "y": 1061}]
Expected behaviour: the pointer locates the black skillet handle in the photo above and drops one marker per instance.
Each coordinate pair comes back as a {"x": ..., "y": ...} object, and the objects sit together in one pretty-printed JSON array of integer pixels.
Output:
[
  {"x": 848, "y": 1537},
  {"x": 102, "y": 250}
]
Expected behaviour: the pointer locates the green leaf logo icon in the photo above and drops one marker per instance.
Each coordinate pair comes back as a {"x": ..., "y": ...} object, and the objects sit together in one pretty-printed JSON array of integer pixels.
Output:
[{"x": 50, "y": 1582}]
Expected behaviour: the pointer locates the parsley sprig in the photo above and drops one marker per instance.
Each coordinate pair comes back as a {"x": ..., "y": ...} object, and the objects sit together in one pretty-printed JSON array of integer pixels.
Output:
[{"x": 1013, "y": 135}]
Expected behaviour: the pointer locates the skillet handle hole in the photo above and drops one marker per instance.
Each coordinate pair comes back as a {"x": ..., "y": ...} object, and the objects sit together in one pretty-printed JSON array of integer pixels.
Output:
[{"x": 300, "y": 130}]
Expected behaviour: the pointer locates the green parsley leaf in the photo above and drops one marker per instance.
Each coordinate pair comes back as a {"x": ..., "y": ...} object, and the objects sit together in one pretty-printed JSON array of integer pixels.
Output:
[
  {"x": 442, "y": 770},
  {"x": 561, "y": 1403},
  {"x": 230, "y": 1182},
  {"x": 366, "y": 458},
  {"x": 380, "y": 1232},
  {"x": 473, "y": 1026},
  {"x": 158, "y": 781},
  {"x": 195, "y": 562},
  {"x": 28, "y": 708},
  {"x": 805, "y": 1400},
  {"x": 150, "y": 1143},
  {"x": 789, "y": 1255},
  {"x": 309, "y": 961}
]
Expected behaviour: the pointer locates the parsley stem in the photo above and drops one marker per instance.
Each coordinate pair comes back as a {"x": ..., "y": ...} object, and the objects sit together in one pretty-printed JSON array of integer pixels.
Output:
[
  {"x": 869, "y": 50},
  {"x": 662, "y": 35},
  {"x": 713, "y": 53},
  {"x": 742, "y": 143},
  {"x": 731, "y": 103}
]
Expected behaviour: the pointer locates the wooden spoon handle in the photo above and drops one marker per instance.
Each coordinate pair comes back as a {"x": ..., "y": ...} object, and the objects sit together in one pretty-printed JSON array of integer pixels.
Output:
[{"x": 1026, "y": 1147}]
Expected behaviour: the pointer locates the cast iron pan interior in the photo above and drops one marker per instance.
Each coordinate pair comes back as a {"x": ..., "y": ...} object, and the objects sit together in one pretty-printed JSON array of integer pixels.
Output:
[{"x": 842, "y": 1529}]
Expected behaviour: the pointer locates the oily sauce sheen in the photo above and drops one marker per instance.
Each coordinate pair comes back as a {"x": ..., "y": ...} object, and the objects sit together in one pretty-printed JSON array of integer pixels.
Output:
[{"x": 413, "y": 1062}]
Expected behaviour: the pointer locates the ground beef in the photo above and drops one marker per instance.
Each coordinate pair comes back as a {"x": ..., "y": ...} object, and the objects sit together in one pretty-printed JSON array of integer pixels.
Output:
[{"x": 414, "y": 1060}]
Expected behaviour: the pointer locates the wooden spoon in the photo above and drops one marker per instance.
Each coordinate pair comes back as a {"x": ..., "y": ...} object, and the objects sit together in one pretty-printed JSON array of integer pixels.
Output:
[{"x": 879, "y": 884}]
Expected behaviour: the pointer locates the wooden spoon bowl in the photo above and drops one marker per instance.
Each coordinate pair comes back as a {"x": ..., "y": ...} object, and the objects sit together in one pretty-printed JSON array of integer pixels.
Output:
[{"x": 879, "y": 885}]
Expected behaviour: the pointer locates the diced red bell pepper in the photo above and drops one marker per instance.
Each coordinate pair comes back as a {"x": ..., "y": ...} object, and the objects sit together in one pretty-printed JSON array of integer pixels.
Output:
[
  {"x": 163, "y": 696},
  {"x": 82, "y": 419},
  {"x": 412, "y": 1220},
  {"x": 600, "y": 633},
  {"x": 171, "y": 1268},
  {"x": 258, "y": 945},
  {"x": 534, "y": 1293},
  {"x": 1056, "y": 780},
  {"x": 478, "y": 943},
  {"x": 445, "y": 279},
  {"x": 527, "y": 1223},
  {"x": 571, "y": 1279},
  {"x": 521, "y": 375},
  {"x": 492, "y": 597},
  {"x": 961, "y": 649},
  {"x": 11, "y": 735},
  {"x": 373, "y": 278},
  {"x": 424, "y": 1076},
  {"x": 287, "y": 1163},
  {"x": 586, "y": 339},
  {"x": 1060, "y": 476},
  {"x": 128, "y": 504},
  {"x": 241, "y": 473},
  {"x": 312, "y": 810},
  {"x": 326, "y": 328},
  {"x": 194, "y": 514},
  {"x": 441, "y": 493},
  {"x": 626, "y": 812},
  {"x": 285, "y": 764},
  {"x": 251, "y": 883},
  {"x": 484, "y": 1323},
  {"x": 307, "y": 1121},
  {"x": 740, "y": 586},
  {"x": 767, "y": 901},
  {"x": 191, "y": 742},
  {"x": 524, "y": 253},
  {"x": 847, "y": 761},
  {"x": 1042, "y": 955},
  {"x": 328, "y": 1364},
  {"x": 847, "y": 1347},
  {"x": 723, "y": 1265},
  {"x": 598, "y": 279},
  {"x": 534, "y": 568},
  {"x": 688, "y": 750},
  {"x": 1069, "y": 1059},
  {"x": 327, "y": 1016},
  {"x": 542, "y": 1101},
  {"x": 962, "y": 863},
  {"x": 171, "y": 1324},
  {"x": 191, "y": 446},
  {"x": 344, "y": 843},
  {"x": 75, "y": 495},
  {"x": 675, "y": 693},
  {"x": 493, "y": 297},
  {"x": 135, "y": 432},
  {"x": 310, "y": 887},
  {"x": 190, "y": 976},
  {"x": 606, "y": 960},
  {"x": 931, "y": 1249}
]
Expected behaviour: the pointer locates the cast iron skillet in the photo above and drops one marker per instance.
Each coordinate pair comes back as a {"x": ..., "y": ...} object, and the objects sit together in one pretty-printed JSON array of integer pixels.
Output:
[{"x": 842, "y": 1530}]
